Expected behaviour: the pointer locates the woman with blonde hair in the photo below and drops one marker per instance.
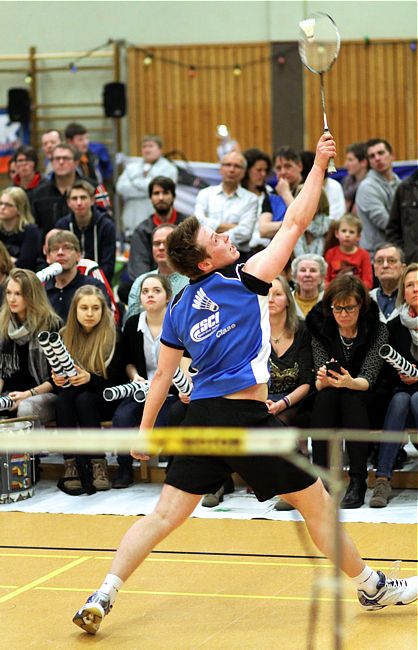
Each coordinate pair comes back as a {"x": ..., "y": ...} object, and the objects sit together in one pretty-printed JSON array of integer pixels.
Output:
[
  {"x": 18, "y": 231},
  {"x": 24, "y": 370},
  {"x": 6, "y": 265},
  {"x": 90, "y": 337}
]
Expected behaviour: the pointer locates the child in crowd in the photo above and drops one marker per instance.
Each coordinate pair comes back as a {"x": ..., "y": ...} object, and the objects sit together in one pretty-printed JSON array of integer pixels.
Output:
[{"x": 348, "y": 257}]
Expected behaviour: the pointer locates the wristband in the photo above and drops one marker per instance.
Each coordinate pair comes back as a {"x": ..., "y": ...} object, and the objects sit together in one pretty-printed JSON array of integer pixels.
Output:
[
  {"x": 33, "y": 392},
  {"x": 286, "y": 400}
]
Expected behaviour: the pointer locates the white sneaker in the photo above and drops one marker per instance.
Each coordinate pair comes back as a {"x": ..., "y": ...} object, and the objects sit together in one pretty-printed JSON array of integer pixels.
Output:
[
  {"x": 90, "y": 616},
  {"x": 390, "y": 592}
]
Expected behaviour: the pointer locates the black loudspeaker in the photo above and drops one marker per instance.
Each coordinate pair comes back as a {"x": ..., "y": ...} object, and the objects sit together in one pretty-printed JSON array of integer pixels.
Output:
[
  {"x": 114, "y": 99},
  {"x": 18, "y": 106}
]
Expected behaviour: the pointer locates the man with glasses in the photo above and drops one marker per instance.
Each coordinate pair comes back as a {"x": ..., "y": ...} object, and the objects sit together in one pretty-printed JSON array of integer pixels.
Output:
[
  {"x": 63, "y": 247},
  {"x": 388, "y": 264},
  {"x": 49, "y": 201},
  {"x": 228, "y": 207}
]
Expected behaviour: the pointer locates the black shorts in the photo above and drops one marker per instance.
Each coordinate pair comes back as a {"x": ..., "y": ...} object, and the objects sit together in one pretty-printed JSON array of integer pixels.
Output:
[{"x": 266, "y": 475}]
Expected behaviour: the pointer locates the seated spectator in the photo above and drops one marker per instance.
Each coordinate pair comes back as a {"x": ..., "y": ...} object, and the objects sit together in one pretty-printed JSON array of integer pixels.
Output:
[
  {"x": 133, "y": 183},
  {"x": 49, "y": 200},
  {"x": 24, "y": 369},
  {"x": 28, "y": 176},
  {"x": 313, "y": 239},
  {"x": 228, "y": 207},
  {"x": 90, "y": 338},
  {"x": 403, "y": 407},
  {"x": 258, "y": 168},
  {"x": 345, "y": 328},
  {"x": 288, "y": 169},
  {"x": 375, "y": 194},
  {"x": 389, "y": 264},
  {"x": 402, "y": 227},
  {"x": 88, "y": 164},
  {"x": 94, "y": 229},
  {"x": 6, "y": 265},
  {"x": 12, "y": 169},
  {"x": 162, "y": 193},
  {"x": 308, "y": 273},
  {"x": 348, "y": 257},
  {"x": 357, "y": 166},
  {"x": 291, "y": 363},
  {"x": 49, "y": 140},
  {"x": 18, "y": 232},
  {"x": 177, "y": 281},
  {"x": 64, "y": 247},
  {"x": 140, "y": 345}
]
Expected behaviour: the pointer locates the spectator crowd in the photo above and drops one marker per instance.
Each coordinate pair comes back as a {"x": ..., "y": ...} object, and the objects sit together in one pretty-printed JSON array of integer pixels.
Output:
[{"x": 350, "y": 287}]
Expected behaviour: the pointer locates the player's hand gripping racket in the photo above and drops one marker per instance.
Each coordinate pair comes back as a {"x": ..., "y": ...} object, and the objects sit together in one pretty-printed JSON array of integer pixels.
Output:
[{"x": 319, "y": 45}]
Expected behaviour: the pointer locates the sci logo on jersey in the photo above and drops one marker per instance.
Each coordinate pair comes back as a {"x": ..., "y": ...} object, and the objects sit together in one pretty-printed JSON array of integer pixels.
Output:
[
  {"x": 205, "y": 327},
  {"x": 201, "y": 301}
]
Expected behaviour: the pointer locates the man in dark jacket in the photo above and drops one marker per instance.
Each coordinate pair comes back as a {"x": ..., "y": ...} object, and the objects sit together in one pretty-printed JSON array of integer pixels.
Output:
[
  {"x": 49, "y": 200},
  {"x": 93, "y": 228},
  {"x": 63, "y": 247},
  {"x": 402, "y": 228}
]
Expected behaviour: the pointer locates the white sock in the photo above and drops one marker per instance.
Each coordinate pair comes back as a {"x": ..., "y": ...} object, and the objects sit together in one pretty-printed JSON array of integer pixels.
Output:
[
  {"x": 367, "y": 580},
  {"x": 111, "y": 586}
]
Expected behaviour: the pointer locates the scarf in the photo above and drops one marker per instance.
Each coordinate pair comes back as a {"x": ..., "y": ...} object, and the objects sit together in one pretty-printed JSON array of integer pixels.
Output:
[
  {"x": 9, "y": 357},
  {"x": 411, "y": 323}
]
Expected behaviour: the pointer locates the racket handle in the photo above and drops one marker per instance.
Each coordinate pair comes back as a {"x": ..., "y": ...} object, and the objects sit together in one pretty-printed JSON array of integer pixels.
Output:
[{"x": 331, "y": 166}]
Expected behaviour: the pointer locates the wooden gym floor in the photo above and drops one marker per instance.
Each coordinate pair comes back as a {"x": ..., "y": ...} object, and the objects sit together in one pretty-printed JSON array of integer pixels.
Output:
[{"x": 213, "y": 584}]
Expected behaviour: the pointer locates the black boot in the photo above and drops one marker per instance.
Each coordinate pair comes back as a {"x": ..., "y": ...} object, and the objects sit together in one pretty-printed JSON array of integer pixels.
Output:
[
  {"x": 354, "y": 497},
  {"x": 125, "y": 474}
]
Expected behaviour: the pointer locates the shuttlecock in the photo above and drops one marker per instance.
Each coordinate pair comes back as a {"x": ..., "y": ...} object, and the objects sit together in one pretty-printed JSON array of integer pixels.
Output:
[{"x": 308, "y": 28}]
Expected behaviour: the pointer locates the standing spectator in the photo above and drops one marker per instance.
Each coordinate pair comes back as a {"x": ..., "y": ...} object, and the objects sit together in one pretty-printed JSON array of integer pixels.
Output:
[
  {"x": 88, "y": 164},
  {"x": 159, "y": 253},
  {"x": 90, "y": 338},
  {"x": 49, "y": 200},
  {"x": 18, "y": 232},
  {"x": 258, "y": 168},
  {"x": 12, "y": 169},
  {"x": 308, "y": 273},
  {"x": 375, "y": 194},
  {"x": 49, "y": 140},
  {"x": 28, "y": 176},
  {"x": 389, "y": 264},
  {"x": 403, "y": 407},
  {"x": 348, "y": 257},
  {"x": 357, "y": 167},
  {"x": 24, "y": 370},
  {"x": 345, "y": 328},
  {"x": 162, "y": 193},
  {"x": 288, "y": 169},
  {"x": 93, "y": 228},
  {"x": 402, "y": 227},
  {"x": 64, "y": 248},
  {"x": 132, "y": 185},
  {"x": 228, "y": 207}
]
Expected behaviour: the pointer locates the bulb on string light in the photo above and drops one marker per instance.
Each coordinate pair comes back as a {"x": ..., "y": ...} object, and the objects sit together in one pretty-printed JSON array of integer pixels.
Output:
[
  {"x": 73, "y": 68},
  {"x": 367, "y": 40},
  {"x": 281, "y": 59},
  {"x": 413, "y": 46},
  {"x": 237, "y": 70},
  {"x": 28, "y": 79},
  {"x": 148, "y": 59},
  {"x": 192, "y": 72}
]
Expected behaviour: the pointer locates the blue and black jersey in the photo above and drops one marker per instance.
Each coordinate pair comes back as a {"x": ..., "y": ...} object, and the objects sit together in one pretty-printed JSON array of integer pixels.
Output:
[{"x": 222, "y": 320}]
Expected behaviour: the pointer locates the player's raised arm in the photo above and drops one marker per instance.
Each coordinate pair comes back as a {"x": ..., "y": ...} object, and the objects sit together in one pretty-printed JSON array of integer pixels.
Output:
[{"x": 267, "y": 264}]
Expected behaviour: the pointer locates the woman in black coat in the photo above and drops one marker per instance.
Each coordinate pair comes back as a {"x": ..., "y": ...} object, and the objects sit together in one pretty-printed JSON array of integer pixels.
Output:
[{"x": 345, "y": 328}]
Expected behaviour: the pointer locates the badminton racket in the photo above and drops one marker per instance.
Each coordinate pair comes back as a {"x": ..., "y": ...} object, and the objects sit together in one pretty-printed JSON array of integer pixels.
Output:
[{"x": 319, "y": 45}]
